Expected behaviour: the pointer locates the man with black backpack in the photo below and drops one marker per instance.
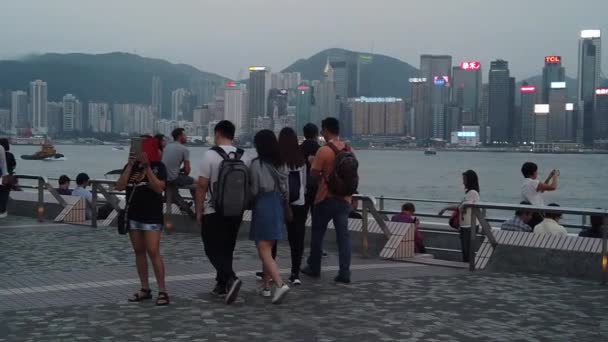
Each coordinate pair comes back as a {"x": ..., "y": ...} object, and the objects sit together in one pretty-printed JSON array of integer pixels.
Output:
[
  {"x": 335, "y": 169},
  {"x": 222, "y": 194}
]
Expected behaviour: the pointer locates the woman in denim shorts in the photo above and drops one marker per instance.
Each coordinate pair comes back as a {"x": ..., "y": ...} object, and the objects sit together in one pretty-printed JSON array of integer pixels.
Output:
[{"x": 144, "y": 181}]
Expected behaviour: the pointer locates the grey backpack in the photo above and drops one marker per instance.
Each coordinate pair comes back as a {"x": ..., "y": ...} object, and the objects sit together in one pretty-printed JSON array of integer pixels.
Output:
[{"x": 230, "y": 194}]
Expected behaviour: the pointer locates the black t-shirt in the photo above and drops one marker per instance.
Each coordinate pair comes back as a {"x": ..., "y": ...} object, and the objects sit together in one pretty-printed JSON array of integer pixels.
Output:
[
  {"x": 11, "y": 163},
  {"x": 146, "y": 206},
  {"x": 309, "y": 149}
]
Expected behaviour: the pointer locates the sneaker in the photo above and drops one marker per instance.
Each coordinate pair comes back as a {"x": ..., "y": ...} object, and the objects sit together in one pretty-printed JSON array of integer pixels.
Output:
[
  {"x": 265, "y": 292},
  {"x": 340, "y": 279},
  {"x": 295, "y": 280},
  {"x": 219, "y": 291},
  {"x": 4, "y": 215},
  {"x": 259, "y": 275},
  {"x": 234, "y": 286},
  {"x": 324, "y": 254},
  {"x": 279, "y": 294},
  {"x": 307, "y": 271}
]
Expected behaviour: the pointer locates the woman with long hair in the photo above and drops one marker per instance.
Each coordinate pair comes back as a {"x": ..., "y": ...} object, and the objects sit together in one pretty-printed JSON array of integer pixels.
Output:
[
  {"x": 471, "y": 195},
  {"x": 269, "y": 191},
  {"x": 144, "y": 179},
  {"x": 7, "y": 168},
  {"x": 295, "y": 167}
]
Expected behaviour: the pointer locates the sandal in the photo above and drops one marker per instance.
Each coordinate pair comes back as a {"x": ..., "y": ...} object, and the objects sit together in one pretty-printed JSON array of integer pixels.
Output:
[
  {"x": 143, "y": 294},
  {"x": 162, "y": 299}
]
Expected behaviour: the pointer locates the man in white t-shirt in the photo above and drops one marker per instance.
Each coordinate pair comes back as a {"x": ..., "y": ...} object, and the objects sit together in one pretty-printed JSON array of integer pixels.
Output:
[
  {"x": 532, "y": 189},
  {"x": 219, "y": 233}
]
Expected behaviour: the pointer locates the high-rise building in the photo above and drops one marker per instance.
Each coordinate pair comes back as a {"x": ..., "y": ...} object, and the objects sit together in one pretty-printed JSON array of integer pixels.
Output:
[
  {"x": 378, "y": 116},
  {"x": 100, "y": 120},
  {"x": 304, "y": 104},
  {"x": 422, "y": 121},
  {"x": 38, "y": 101},
  {"x": 553, "y": 71},
  {"x": 259, "y": 88},
  {"x": 5, "y": 120},
  {"x": 285, "y": 80},
  {"x": 178, "y": 98},
  {"x": 601, "y": 114},
  {"x": 325, "y": 95},
  {"x": 466, "y": 90},
  {"x": 157, "y": 96},
  {"x": 346, "y": 75},
  {"x": 541, "y": 123},
  {"x": 235, "y": 107},
  {"x": 500, "y": 107},
  {"x": 484, "y": 129},
  {"x": 557, "y": 120},
  {"x": 72, "y": 114},
  {"x": 437, "y": 69},
  {"x": 277, "y": 103},
  {"x": 589, "y": 70},
  {"x": 18, "y": 110},
  {"x": 528, "y": 96},
  {"x": 55, "y": 117}
]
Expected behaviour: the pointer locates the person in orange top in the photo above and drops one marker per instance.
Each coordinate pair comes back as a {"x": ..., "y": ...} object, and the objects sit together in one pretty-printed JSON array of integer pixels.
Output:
[{"x": 328, "y": 206}]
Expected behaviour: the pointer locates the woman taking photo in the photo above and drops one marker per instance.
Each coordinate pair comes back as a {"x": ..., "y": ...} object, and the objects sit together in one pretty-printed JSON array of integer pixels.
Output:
[
  {"x": 295, "y": 167},
  {"x": 471, "y": 195},
  {"x": 269, "y": 191},
  {"x": 144, "y": 180}
]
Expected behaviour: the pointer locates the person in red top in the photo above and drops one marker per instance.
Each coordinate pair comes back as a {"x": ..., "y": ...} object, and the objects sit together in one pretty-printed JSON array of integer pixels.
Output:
[{"x": 329, "y": 207}]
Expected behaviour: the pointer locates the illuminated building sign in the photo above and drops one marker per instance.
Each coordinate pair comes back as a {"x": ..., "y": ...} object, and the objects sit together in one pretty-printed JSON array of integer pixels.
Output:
[
  {"x": 541, "y": 109},
  {"x": 474, "y": 65},
  {"x": 527, "y": 89},
  {"x": 377, "y": 99},
  {"x": 257, "y": 68},
  {"x": 601, "y": 91},
  {"x": 558, "y": 85},
  {"x": 591, "y": 34},
  {"x": 418, "y": 80},
  {"x": 569, "y": 107},
  {"x": 466, "y": 134},
  {"x": 303, "y": 87},
  {"x": 441, "y": 80},
  {"x": 553, "y": 59},
  {"x": 283, "y": 91},
  {"x": 233, "y": 84}
]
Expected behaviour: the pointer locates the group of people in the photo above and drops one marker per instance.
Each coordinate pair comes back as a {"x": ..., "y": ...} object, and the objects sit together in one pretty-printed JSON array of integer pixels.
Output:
[{"x": 281, "y": 184}]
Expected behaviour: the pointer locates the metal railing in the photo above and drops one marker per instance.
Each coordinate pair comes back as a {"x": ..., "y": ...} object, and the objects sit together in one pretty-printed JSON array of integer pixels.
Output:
[
  {"x": 41, "y": 186},
  {"x": 477, "y": 215}
]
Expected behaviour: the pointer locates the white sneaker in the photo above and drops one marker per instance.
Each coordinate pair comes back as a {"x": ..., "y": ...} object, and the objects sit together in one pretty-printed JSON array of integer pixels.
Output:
[
  {"x": 279, "y": 294},
  {"x": 3, "y": 215},
  {"x": 265, "y": 292}
]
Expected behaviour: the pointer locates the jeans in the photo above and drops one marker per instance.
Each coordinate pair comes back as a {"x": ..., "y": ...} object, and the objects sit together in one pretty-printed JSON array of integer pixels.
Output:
[
  {"x": 337, "y": 210},
  {"x": 4, "y": 192},
  {"x": 219, "y": 236}
]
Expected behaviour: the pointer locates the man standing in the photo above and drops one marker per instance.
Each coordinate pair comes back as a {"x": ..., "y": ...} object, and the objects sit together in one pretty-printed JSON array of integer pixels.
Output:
[
  {"x": 218, "y": 230},
  {"x": 335, "y": 170},
  {"x": 309, "y": 148}
]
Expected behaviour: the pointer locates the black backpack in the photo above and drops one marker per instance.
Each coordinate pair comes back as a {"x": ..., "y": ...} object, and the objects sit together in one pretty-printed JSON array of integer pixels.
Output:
[
  {"x": 231, "y": 192},
  {"x": 295, "y": 183},
  {"x": 344, "y": 179}
]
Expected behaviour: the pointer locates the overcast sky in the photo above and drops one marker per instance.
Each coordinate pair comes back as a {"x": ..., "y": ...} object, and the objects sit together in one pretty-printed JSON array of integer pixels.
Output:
[{"x": 226, "y": 36}]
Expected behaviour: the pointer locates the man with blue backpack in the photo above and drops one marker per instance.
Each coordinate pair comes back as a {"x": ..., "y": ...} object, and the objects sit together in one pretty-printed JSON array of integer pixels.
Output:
[{"x": 222, "y": 195}]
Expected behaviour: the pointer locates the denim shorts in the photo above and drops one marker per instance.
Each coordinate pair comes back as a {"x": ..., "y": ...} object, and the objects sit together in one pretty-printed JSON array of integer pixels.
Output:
[{"x": 134, "y": 225}]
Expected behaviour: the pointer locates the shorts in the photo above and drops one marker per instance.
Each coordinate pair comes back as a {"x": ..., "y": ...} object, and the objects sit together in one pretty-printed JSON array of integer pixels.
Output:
[{"x": 151, "y": 227}]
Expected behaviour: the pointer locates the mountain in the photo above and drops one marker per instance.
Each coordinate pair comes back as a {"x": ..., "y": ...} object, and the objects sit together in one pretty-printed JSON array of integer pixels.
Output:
[
  {"x": 383, "y": 76},
  {"x": 112, "y": 77}
]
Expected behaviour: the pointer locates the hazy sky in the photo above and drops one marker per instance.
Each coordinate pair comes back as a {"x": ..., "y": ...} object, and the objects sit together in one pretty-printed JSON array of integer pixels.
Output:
[{"x": 226, "y": 36}]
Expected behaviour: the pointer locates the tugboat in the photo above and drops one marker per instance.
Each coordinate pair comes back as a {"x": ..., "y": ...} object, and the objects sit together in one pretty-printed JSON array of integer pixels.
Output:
[
  {"x": 430, "y": 151},
  {"x": 47, "y": 152}
]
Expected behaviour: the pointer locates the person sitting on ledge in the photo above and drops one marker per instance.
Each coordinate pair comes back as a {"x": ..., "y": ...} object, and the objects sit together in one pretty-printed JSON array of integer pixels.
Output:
[
  {"x": 550, "y": 224},
  {"x": 519, "y": 223},
  {"x": 64, "y": 186},
  {"x": 407, "y": 216},
  {"x": 596, "y": 228}
]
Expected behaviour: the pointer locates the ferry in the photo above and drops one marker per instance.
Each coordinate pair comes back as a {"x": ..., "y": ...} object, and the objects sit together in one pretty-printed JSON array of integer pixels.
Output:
[{"x": 33, "y": 140}]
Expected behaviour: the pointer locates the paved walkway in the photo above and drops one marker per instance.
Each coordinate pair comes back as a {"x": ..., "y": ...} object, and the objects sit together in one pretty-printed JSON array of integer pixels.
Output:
[{"x": 68, "y": 283}]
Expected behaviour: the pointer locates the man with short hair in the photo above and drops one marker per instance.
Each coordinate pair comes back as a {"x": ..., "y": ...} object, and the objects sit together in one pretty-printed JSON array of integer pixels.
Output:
[
  {"x": 328, "y": 206},
  {"x": 309, "y": 148},
  {"x": 176, "y": 154},
  {"x": 519, "y": 223},
  {"x": 82, "y": 181},
  {"x": 219, "y": 233},
  {"x": 532, "y": 189},
  {"x": 64, "y": 185}
]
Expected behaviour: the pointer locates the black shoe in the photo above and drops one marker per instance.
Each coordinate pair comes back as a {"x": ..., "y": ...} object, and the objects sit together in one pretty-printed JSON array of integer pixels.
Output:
[
  {"x": 307, "y": 271},
  {"x": 259, "y": 275},
  {"x": 234, "y": 286},
  {"x": 219, "y": 291},
  {"x": 342, "y": 279},
  {"x": 324, "y": 254},
  {"x": 295, "y": 280}
]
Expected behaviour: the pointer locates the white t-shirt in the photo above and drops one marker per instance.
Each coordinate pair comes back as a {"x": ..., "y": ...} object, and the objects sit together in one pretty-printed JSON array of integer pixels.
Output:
[
  {"x": 302, "y": 172},
  {"x": 472, "y": 196},
  {"x": 210, "y": 168},
  {"x": 530, "y": 193},
  {"x": 550, "y": 226},
  {"x": 3, "y": 167}
]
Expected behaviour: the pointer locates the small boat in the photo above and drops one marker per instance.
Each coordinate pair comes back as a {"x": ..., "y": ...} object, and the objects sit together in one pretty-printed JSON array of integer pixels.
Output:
[
  {"x": 46, "y": 151},
  {"x": 56, "y": 157},
  {"x": 430, "y": 152},
  {"x": 118, "y": 148}
]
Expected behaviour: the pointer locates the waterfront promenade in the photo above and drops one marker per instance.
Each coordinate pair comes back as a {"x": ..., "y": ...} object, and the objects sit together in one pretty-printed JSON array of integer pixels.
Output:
[{"x": 70, "y": 283}]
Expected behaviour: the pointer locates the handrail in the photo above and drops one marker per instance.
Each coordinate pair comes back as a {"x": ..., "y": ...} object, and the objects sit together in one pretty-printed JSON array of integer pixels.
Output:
[{"x": 43, "y": 184}]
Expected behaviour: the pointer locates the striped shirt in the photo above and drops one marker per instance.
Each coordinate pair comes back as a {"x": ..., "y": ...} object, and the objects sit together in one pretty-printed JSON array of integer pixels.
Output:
[{"x": 516, "y": 224}]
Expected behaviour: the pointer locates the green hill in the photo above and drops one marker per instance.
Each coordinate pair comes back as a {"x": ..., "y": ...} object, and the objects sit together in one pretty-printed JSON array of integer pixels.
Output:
[
  {"x": 383, "y": 76},
  {"x": 113, "y": 77}
]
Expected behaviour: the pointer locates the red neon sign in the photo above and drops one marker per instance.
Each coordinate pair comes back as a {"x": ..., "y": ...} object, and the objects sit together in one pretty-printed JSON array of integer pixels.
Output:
[
  {"x": 553, "y": 59},
  {"x": 474, "y": 65},
  {"x": 303, "y": 87},
  {"x": 601, "y": 91},
  {"x": 232, "y": 84},
  {"x": 528, "y": 89}
]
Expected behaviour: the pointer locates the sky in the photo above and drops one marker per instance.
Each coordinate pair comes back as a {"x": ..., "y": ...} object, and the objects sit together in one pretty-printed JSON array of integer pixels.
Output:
[{"x": 227, "y": 36}]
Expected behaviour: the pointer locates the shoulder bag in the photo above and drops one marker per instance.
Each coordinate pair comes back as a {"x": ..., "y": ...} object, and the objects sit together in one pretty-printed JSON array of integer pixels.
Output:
[{"x": 123, "y": 219}]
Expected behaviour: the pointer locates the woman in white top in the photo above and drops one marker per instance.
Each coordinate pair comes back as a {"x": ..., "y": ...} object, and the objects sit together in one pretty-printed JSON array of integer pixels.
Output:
[{"x": 471, "y": 195}]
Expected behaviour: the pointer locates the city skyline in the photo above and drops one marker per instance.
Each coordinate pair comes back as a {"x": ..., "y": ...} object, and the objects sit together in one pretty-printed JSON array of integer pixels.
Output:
[{"x": 385, "y": 31}]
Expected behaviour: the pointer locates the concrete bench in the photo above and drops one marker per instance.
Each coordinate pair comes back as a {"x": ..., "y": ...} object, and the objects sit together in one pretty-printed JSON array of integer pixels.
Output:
[{"x": 25, "y": 203}]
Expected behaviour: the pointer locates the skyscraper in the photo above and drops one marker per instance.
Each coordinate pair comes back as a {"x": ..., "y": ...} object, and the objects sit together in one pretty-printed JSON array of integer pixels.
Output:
[
  {"x": 601, "y": 114},
  {"x": 99, "y": 117},
  {"x": 541, "y": 123},
  {"x": 18, "y": 110},
  {"x": 157, "y": 96},
  {"x": 528, "y": 100},
  {"x": 500, "y": 109},
  {"x": 235, "y": 106},
  {"x": 437, "y": 69},
  {"x": 259, "y": 87},
  {"x": 466, "y": 90},
  {"x": 589, "y": 69},
  {"x": 325, "y": 97},
  {"x": 422, "y": 121},
  {"x": 304, "y": 103},
  {"x": 72, "y": 113},
  {"x": 55, "y": 117},
  {"x": 346, "y": 75},
  {"x": 377, "y": 116},
  {"x": 38, "y": 100},
  {"x": 178, "y": 97},
  {"x": 553, "y": 71},
  {"x": 557, "y": 120}
]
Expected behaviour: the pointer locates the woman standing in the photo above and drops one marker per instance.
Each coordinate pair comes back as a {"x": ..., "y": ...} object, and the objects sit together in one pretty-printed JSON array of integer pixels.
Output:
[
  {"x": 269, "y": 190},
  {"x": 7, "y": 168},
  {"x": 471, "y": 195},
  {"x": 295, "y": 167},
  {"x": 144, "y": 181}
]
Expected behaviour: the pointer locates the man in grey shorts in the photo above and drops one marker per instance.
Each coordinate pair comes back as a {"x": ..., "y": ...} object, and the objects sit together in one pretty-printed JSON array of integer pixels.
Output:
[{"x": 176, "y": 158}]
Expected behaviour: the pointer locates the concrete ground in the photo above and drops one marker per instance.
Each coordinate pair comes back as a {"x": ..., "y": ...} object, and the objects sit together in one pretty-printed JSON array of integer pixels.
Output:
[{"x": 70, "y": 283}]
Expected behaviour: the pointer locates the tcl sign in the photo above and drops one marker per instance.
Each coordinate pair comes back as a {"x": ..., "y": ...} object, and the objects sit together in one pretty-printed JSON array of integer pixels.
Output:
[
  {"x": 475, "y": 65},
  {"x": 553, "y": 59},
  {"x": 601, "y": 91}
]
